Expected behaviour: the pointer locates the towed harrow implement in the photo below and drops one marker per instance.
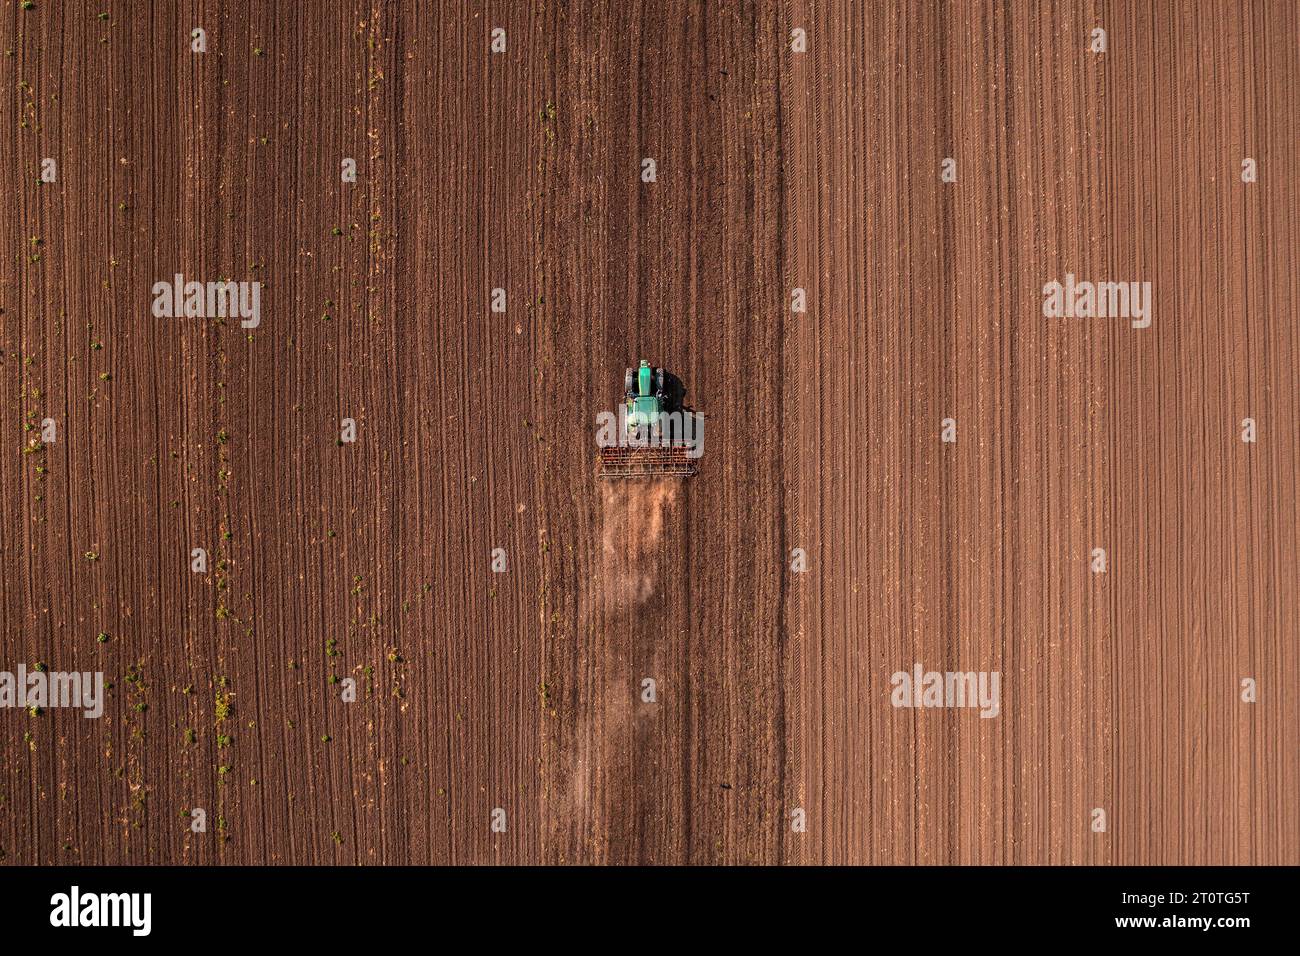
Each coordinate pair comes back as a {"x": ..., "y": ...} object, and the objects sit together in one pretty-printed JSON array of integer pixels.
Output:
[{"x": 663, "y": 461}]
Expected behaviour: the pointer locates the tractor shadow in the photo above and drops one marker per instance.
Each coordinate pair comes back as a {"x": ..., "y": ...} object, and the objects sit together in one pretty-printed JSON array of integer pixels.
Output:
[
  {"x": 675, "y": 401},
  {"x": 674, "y": 393}
]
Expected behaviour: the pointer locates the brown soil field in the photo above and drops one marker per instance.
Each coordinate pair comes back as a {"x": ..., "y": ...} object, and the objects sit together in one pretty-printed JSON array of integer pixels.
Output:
[{"x": 521, "y": 691}]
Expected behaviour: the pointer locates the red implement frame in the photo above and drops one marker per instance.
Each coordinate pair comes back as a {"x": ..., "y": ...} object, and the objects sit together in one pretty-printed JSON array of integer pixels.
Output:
[{"x": 648, "y": 462}]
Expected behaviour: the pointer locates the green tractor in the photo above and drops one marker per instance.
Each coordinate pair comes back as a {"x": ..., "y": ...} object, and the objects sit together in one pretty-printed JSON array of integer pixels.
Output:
[
  {"x": 644, "y": 451},
  {"x": 644, "y": 388}
]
